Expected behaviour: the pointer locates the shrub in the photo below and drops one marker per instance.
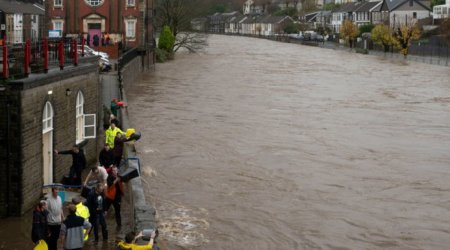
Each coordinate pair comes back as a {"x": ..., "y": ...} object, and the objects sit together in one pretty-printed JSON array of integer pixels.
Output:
[{"x": 166, "y": 40}]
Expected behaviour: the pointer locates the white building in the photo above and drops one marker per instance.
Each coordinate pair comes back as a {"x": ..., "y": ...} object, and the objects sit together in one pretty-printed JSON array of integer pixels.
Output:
[{"x": 442, "y": 11}]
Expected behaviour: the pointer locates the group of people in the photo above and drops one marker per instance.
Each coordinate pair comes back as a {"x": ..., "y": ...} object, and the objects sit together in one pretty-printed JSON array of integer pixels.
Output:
[
  {"x": 50, "y": 224},
  {"x": 103, "y": 40}
]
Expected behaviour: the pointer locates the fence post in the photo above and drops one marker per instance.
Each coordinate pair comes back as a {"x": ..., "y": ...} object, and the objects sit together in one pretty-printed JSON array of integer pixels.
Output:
[
  {"x": 5, "y": 62},
  {"x": 45, "y": 49},
  {"x": 61, "y": 54},
  {"x": 75, "y": 52}
]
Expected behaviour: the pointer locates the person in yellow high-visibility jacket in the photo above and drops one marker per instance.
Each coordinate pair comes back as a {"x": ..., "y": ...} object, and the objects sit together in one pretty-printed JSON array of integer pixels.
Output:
[
  {"x": 110, "y": 134},
  {"x": 82, "y": 211},
  {"x": 130, "y": 242}
]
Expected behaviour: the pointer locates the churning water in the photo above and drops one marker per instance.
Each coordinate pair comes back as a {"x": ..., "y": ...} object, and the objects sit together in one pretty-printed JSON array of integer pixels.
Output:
[{"x": 255, "y": 144}]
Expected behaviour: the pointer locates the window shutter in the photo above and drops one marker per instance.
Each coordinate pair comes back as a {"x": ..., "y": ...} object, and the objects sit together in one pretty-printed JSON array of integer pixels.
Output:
[{"x": 90, "y": 124}]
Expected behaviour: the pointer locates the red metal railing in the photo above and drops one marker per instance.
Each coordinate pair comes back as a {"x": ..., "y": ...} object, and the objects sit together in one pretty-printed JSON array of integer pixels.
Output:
[{"x": 20, "y": 60}]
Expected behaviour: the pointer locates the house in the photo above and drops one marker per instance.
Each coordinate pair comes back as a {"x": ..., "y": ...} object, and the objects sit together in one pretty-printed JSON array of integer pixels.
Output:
[
  {"x": 341, "y": 14},
  {"x": 405, "y": 11},
  {"x": 21, "y": 21},
  {"x": 254, "y": 7},
  {"x": 363, "y": 11},
  {"x": 378, "y": 16},
  {"x": 127, "y": 22},
  {"x": 234, "y": 24},
  {"x": 271, "y": 25},
  {"x": 251, "y": 26},
  {"x": 318, "y": 19},
  {"x": 441, "y": 12},
  {"x": 260, "y": 7},
  {"x": 219, "y": 21}
]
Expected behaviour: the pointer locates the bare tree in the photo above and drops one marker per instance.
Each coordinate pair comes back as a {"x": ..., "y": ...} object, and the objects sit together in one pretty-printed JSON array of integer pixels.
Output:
[
  {"x": 177, "y": 14},
  {"x": 191, "y": 41}
]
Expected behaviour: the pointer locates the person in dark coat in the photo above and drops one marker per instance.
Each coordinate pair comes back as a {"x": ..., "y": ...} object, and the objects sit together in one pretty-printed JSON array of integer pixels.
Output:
[
  {"x": 106, "y": 158},
  {"x": 96, "y": 40},
  {"x": 39, "y": 229},
  {"x": 78, "y": 164},
  {"x": 88, "y": 39},
  {"x": 103, "y": 40},
  {"x": 95, "y": 203},
  {"x": 118, "y": 148}
]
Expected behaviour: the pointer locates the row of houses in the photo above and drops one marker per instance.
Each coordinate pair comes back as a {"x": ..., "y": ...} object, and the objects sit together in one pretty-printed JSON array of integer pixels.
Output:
[
  {"x": 392, "y": 12},
  {"x": 236, "y": 23}
]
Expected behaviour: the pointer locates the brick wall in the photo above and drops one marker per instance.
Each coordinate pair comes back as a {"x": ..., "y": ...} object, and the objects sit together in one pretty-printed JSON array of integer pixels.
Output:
[{"x": 9, "y": 153}]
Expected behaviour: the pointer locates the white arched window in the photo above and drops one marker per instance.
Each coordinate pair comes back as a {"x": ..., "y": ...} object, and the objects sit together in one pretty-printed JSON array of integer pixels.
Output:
[
  {"x": 47, "y": 143},
  {"x": 47, "y": 118},
  {"x": 86, "y": 123},
  {"x": 80, "y": 117}
]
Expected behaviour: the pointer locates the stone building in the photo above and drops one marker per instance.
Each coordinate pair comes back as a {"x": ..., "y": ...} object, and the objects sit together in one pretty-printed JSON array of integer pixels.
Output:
[
  {"x": 38, "y": 115},
  {"x": 125, "y": 21}
]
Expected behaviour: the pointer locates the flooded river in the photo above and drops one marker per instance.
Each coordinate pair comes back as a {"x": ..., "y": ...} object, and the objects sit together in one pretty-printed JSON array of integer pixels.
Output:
[{"x": 255, "y": 144}]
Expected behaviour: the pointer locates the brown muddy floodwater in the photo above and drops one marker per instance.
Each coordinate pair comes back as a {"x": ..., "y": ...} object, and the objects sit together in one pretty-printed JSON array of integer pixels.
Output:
[{"x": 255, "y": 144}]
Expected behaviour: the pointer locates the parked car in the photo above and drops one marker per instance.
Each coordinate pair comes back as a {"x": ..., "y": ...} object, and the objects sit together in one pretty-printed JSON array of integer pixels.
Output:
[
  {"x": 89, "y": 51},
  {"x": 319, "y": 38}
]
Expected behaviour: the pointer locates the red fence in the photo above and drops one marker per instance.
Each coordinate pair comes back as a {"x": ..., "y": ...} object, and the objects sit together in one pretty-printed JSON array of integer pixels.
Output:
[{"x": 38, "y": 57}]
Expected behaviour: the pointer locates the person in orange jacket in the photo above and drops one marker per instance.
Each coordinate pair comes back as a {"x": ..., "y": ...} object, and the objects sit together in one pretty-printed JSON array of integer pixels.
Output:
[{"x": 114, "y": 193}]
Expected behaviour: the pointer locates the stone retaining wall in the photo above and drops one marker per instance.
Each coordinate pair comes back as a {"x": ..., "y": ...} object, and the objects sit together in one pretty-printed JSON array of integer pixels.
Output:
[{"x": 143, "y": 212}]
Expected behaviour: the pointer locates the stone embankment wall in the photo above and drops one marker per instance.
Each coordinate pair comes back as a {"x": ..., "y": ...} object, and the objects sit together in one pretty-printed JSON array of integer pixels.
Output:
[{"x": 143, "y": 212}]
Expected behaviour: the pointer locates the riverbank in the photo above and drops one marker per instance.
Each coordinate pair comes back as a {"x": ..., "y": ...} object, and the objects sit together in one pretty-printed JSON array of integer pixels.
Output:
[{"x": 436, "y": 59}]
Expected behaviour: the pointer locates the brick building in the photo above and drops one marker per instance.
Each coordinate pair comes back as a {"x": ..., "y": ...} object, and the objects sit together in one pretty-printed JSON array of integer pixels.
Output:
[
  {"x": 38, "y": 115},
  {"x": 125, "y": 21}
]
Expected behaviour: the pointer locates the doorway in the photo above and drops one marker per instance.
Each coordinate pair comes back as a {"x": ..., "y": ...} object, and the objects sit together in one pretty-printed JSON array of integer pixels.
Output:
[{"x": 95, "y": 34}]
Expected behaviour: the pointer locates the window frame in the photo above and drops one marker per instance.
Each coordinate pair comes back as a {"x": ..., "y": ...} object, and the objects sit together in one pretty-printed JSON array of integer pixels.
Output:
[
  {"x": 130, "y": 3},
  {"x": 58, "y": 3},
  {"x": 79, "y": 118},
  {"x": 47, "y": 118},
  {"x": 94, "y": 3},
  {"x": 89, "y": 126},
  {"x": 127, "y": 27}
]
